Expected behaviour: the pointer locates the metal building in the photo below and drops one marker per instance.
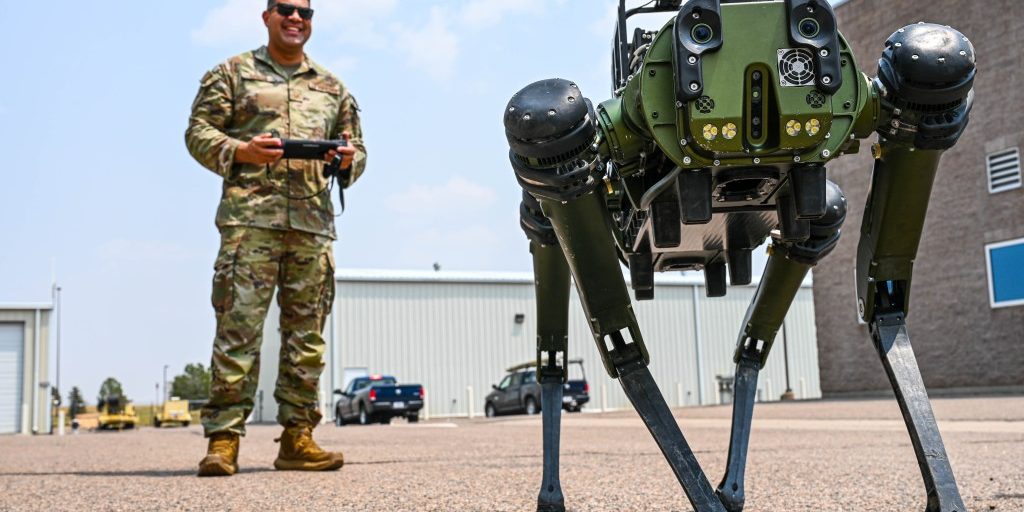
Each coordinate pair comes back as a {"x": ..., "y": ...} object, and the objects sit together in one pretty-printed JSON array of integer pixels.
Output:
[
  {"x": 24, "y": 368},
  {"x": 456, "y": 333}
]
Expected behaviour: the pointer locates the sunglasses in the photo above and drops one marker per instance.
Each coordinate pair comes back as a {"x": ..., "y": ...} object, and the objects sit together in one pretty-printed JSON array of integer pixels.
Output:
[{"x": 286, "y": 10}]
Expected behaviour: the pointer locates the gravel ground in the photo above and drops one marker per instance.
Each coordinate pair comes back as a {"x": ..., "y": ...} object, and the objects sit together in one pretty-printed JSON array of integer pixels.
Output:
[{"x": 818, "y": 455}]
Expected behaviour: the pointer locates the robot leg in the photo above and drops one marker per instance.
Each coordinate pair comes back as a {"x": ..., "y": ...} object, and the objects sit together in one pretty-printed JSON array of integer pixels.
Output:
[
  {"x": 787, "y": 267},
  {"x": 926, "y": 101},
  {"x": 586, "y": 239},
  {"x": 551, "y": 276},
  {"x": 887, "y": 248},
  {"x": 556, "y": 158}
]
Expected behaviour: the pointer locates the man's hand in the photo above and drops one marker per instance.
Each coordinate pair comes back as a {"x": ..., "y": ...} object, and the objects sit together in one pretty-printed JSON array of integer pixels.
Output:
[
  {"x": 262, "y": 149},
  {"x": 346, "y": 152}
]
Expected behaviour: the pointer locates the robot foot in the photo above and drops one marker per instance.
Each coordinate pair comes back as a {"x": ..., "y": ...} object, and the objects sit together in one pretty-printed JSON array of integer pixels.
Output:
[
  {"x": 550, "y": 498},
  {"x": 550, "y": 507},
  {"x": 730, "y": 501},
  {"x": 643, "y": 392},
  {"x": 730, "y": 491},
  {"x": 893, "y": 344}
]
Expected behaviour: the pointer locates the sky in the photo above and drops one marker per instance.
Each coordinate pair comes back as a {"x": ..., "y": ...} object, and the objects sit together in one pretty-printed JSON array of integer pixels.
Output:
[{"x": 99, "y": 189}]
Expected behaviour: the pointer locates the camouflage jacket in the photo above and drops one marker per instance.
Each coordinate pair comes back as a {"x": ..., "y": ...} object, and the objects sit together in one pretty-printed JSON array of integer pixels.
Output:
[{"x": 250, "y": 94}]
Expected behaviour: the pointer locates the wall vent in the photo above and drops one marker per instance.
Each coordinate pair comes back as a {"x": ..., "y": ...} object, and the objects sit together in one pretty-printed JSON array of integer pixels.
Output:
[{"x": 1004, "y": 170}]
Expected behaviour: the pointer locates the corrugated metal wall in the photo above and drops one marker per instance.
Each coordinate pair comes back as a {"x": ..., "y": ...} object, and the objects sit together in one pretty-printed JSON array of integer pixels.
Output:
[{"x": 450, "y": 335}]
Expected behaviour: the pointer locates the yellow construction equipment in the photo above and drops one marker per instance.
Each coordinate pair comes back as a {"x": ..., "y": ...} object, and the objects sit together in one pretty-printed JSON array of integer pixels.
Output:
[
  {"x": 116, "y": 413},
  {"x": 174, "y": 412}
]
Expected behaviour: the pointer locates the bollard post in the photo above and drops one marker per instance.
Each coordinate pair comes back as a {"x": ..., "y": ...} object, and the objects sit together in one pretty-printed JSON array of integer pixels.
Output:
[
  {"x": 718, "y": 396},
  {"x": 24, "y": 418},
  {"x": 469, "y": 402},
  {"x": 323, "y": 407},
  {"x": 426, "y": 409},
  {"x": 60, "y": 423},
  {"x": 769, "y": 392},
  {"x": 679, "y": 395},
  {"x": 604, "y": 398},
  {"x": 803, "y": 388}
]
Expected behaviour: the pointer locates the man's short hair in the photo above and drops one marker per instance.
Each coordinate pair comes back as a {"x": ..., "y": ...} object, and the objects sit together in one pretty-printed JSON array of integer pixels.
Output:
[{"x": 270, "y": 3}]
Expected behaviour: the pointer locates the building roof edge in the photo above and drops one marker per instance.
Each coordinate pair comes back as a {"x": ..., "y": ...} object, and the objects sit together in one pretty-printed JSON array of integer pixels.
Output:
[
  {"x": 25, "y": 306},
  {"x": 494, "y": 277}
]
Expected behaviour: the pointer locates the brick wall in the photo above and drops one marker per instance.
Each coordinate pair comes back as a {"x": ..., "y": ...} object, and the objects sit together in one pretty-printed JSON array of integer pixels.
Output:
[{"x": 959, "y": 339}]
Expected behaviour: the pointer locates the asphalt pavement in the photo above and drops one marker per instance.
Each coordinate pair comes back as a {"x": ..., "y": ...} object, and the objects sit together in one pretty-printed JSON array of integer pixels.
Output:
[{"x": 813, "y": 456}]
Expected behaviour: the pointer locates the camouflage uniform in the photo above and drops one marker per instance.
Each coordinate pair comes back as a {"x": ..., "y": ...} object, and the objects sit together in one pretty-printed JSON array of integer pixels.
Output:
[{"x": 269, "y": 237}]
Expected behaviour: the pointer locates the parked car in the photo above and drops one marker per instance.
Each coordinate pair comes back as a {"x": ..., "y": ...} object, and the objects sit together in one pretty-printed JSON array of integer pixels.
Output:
[
  {"x": 377, "y": 399},
  {"x": 519, "y": 391}
]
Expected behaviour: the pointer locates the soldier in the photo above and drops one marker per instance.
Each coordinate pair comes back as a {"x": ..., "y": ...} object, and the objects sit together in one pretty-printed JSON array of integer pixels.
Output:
[{"x": 277, "y": 225}]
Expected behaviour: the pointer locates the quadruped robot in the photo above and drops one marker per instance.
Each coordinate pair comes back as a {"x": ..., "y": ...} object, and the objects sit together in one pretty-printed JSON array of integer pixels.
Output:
[{"x": 717, "y": 137}]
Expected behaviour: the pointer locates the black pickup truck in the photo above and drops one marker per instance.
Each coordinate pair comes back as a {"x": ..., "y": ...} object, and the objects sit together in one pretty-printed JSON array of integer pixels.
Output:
[
  {"x": 519, "y": 391},
  {"x": 377, "y": 399}
]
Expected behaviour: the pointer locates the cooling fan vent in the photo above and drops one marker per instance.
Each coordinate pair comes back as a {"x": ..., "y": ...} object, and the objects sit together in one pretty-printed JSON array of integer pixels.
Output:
[
  {"x": 796, "y": 67},
  {"x": 705, "y": 104},
  {"x": 815, "y": 99}
]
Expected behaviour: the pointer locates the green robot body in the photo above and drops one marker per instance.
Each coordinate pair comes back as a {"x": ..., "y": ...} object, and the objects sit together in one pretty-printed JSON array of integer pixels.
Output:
[
  {"x": 717, "y": 138},
  {"x": 757, "y": 116}
]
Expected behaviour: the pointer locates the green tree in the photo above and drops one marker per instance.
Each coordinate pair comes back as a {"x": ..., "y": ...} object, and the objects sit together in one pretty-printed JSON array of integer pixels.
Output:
[
  {"x": 111, "y": 387},
  {"x": 76, "y": 404},
  {"x": 194, "y": 384}
]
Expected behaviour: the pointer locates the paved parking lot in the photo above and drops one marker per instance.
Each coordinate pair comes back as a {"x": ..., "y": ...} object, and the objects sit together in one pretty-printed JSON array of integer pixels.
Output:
[{"x": 821, "y": 455}]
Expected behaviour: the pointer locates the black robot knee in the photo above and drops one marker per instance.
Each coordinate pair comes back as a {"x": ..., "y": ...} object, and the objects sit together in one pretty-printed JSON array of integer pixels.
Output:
[
  {"x": 536, "y": 226},
  {"x": 550, "y": 126},
  {"x": 926, "y": 75},
  {"x": 824, "y": 230}
]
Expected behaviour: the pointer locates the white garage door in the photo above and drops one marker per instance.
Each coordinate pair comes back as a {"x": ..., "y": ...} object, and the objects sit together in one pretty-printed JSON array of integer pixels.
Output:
[{"x": 12, "y": 337}]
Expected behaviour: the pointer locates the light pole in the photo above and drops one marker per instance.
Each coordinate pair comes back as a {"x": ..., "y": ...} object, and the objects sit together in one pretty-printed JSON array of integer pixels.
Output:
[
  {"x": 165, "y": 382},
  {"x": 59, "y": 309}
]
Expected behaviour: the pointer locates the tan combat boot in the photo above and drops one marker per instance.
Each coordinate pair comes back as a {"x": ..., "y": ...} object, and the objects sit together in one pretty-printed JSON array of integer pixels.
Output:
[
  {"x": 221, "y": 456},
  {"x": 299, "y": 452}
]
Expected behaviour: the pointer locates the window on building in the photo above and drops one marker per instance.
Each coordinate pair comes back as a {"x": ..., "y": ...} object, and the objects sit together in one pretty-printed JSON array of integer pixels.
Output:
[
  {"x": 1005, "y": 262},
  {"x": 1004, "y": 170}
]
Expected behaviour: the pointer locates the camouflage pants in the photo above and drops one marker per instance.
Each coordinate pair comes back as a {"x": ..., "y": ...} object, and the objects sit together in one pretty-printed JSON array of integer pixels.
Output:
[{"x": 250, "y": 264}]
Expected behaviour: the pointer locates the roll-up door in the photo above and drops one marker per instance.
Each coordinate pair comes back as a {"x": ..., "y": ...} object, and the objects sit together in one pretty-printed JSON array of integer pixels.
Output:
[{"x": 12, "y": 338}]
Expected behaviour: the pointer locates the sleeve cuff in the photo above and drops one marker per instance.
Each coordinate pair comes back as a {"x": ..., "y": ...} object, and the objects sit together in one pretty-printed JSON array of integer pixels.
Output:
[{"x": 226, "y": 158}]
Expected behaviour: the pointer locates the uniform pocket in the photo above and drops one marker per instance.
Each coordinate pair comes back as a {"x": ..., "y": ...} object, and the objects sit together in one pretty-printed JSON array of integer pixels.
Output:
[
  {"x": 259, "y": 98},
  {"x": 223, "y": 296},
  {"x": 327, "y": 289}
]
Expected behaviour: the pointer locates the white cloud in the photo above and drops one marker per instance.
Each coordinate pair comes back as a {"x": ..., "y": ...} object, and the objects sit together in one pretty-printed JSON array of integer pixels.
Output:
[
  {"x": 353, "y": 21},
  {"x": 430, "y": 46},
  {"x": 236, "y": 21},
  {"x": 239, "y": 22},
  {"x": 605, "y": 25},
  {"x": 144, "y": 251},
  {"x": 456, "y": 247},
  {"x": 343, "y": 64},
  {"x": 458, "y": 194},
  {"x": 433, "y": 49},
  {"x": 484, "y": 13}
]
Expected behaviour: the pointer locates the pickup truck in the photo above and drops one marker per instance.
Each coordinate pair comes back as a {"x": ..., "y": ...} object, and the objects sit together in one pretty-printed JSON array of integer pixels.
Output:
[
  {"x": 519, "y": 391},
  {"x": 377, "y": 399}
]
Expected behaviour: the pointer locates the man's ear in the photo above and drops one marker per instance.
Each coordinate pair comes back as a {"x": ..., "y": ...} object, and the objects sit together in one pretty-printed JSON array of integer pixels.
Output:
[{"x": 266, "y": 19}]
